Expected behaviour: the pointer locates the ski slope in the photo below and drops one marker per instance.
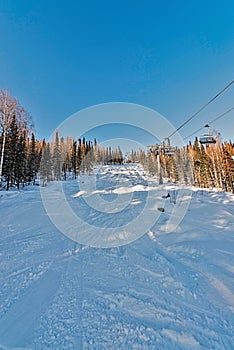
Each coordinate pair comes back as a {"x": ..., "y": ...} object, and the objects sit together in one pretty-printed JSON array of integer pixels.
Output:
[{"x": 165, "y": 290}]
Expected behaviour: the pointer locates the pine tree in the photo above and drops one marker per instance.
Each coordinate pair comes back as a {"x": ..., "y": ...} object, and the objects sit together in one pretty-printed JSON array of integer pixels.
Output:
[
  {"x": 79, "y": 156},
  {"x": 174, "y": 162},
  {"x": 57, "y": 159},
  {"x": 228, "y": 167},
  {"x": 46, "y": 165},
  {"x": 32, "y": 160},
  {"x": 74, "y": 158},
  {"x": 10, "y": 109},
  {"x": 203, "y": 168},
  {"x": 20, "y": 165},
  {"x": 9, "y": 165},
  {"x": 212, "y": 154},
  {"x": 87, "y": 161}
]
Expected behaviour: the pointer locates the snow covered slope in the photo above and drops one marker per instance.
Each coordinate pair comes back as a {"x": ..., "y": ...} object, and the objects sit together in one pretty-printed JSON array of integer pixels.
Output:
[{"x": 166, "y": 290}]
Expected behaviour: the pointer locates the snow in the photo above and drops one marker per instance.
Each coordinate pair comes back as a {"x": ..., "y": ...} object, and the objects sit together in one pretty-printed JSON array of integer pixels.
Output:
[{"x": 172, "y": 288}]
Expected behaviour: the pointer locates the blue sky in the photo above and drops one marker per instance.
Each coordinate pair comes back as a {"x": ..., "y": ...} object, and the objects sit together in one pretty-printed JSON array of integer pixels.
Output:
[{"x": 59, "y": 57}]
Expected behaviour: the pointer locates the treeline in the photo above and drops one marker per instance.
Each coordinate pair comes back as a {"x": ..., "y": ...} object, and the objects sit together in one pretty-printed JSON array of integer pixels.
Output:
[
  {"x": 28, "y": 160},
  {"x": 211, "y": 166},
  {"x": 15, "y": 126},
  {"x": 24, "y": 159},
  {"x": 68, "y": 157}
]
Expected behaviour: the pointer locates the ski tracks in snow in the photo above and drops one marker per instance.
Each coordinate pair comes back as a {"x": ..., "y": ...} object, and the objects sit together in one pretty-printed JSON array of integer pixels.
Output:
[{"x": 164, "y": 291}]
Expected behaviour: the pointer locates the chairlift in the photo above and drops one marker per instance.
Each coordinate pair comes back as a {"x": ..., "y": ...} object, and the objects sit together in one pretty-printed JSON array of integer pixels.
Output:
[
  {"x": 208, "y": 137},
  {"x": 167, "y": 148},
  {"x": 164, "y": 147}
]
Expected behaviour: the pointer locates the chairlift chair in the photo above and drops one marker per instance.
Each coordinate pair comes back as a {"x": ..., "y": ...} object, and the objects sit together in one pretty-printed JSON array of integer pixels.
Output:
[
  {"x": 207, "y": 138},
  {"x": 167, "y": 148},
  {"x": 164, "y": 147}
]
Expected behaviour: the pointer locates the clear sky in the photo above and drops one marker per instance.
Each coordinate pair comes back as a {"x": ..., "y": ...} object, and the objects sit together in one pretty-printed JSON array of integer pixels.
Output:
[{"x": 59, "y": 57}]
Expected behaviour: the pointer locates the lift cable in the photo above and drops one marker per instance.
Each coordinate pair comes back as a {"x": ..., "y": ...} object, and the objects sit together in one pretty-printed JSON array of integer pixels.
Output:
[
  {"x": 201, "y": 109},
  {"x": 210, "y": 122}
]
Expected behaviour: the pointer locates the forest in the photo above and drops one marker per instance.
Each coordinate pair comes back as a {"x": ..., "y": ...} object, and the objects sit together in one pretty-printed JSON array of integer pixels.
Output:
[{"x": 27, "y": 160}]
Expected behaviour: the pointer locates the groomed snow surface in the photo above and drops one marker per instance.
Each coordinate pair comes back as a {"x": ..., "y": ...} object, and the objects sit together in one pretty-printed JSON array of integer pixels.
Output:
[{"x": 167, "y": 290}]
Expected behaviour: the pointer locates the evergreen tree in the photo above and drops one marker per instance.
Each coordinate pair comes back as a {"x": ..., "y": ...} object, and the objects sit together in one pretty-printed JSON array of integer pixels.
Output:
[
  {"x": 57, "y": 159},
  {"x": 79, "y": 156},
  {"x": 203, "y": 168},
  {"x": 9, "y": 165},
  {"x": 20, "y": 165},
  {"x": 32, "y": 160},
  {"x": 74, "y": 158},
  {"x": 10, "y": 112},
  {"x": 228, "y": 167},
  {"x": 46, "y": 165},
  {"x": 174, "y": 164}
]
